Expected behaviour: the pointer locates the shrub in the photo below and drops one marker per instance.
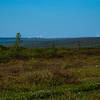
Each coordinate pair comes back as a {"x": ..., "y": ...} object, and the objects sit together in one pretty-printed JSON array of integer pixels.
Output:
[
  {"x": 50, "y": 53},
  {"x": 2, "y": 56},
  {"x": 37, "y": 52},
  {"x": 12, "y": 53}
]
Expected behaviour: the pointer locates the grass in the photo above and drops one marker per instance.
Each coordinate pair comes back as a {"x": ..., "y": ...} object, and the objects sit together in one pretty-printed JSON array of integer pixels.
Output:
[
  {"x": 61, "y": 91},
  {"x": 68, "y": 76}
]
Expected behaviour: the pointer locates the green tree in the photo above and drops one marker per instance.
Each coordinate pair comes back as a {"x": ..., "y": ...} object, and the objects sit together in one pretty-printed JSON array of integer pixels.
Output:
[{"x": 18, "y": 40}]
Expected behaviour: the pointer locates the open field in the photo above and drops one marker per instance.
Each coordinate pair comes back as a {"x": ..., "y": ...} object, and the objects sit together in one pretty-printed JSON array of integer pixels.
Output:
[
  {"x": 49, "y": 49},
  {"x": 71, "y": 74}
]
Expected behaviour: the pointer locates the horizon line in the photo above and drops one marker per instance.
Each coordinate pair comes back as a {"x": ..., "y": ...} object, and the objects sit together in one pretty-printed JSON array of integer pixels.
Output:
[{"x": 55, "y": 37}]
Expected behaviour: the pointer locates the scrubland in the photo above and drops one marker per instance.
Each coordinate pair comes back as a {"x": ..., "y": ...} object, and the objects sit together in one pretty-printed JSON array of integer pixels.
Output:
[{"x": 49, "y": 74}]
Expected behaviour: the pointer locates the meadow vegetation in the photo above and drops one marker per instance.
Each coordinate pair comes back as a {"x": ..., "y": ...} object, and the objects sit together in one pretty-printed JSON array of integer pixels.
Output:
[{"x": 49, "y": 73}]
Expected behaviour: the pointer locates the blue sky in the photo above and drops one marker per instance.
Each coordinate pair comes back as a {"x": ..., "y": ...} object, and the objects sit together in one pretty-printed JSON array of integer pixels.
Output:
[{"x": 50, "y": 18}]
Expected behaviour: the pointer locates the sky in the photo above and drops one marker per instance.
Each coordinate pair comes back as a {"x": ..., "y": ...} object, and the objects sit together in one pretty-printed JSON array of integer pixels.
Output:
[{"x": 50, "y": 18}]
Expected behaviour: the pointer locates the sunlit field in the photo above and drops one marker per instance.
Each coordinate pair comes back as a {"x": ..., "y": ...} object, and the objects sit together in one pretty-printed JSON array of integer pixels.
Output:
[{"x": 49, "y": 74}]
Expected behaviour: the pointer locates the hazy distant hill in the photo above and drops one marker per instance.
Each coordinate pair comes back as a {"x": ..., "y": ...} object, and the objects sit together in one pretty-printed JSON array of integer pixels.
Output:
[{"x": 47, "y": 42}]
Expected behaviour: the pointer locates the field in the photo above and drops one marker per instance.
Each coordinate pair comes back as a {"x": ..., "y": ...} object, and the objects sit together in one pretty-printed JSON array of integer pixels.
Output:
[{"x": 49, "y": 74}]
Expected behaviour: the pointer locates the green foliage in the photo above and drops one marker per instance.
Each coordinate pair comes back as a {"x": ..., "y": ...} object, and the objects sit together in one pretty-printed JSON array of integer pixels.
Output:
[
  {"x": 2, "y": 47},
  {"x": 18, "y": 40},
  {"x": 2, "y": 56},
  {"x": 80, "y": 92},
  {"x": 51, "y": 52},
  {"x": 38, "y": 52},
  {"x": 13, "y": 53},
  {"x": 0, "y": 51},
  {"x": 40, "y": 78},
  {"x": 44, "y": 53}
]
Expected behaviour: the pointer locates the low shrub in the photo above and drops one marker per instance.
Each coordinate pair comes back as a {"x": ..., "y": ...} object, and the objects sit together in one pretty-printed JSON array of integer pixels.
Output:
[{"x": 50, "y": 53}]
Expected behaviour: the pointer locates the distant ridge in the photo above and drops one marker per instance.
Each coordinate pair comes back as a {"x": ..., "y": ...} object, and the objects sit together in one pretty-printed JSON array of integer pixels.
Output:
[{"x": 59, "y": 42}]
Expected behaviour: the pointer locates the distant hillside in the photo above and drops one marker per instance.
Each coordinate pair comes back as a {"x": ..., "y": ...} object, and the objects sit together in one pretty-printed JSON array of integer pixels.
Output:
[{"x": 59, "y": 42}]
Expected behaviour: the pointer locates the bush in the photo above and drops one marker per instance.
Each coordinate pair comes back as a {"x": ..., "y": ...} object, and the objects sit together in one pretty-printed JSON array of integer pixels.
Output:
[
  {"x": 38, "y": 52},
  {"x": 12, "y": 53},
  {"x": 2, "y": 56},
  {"x": 50, "y": 53}
]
